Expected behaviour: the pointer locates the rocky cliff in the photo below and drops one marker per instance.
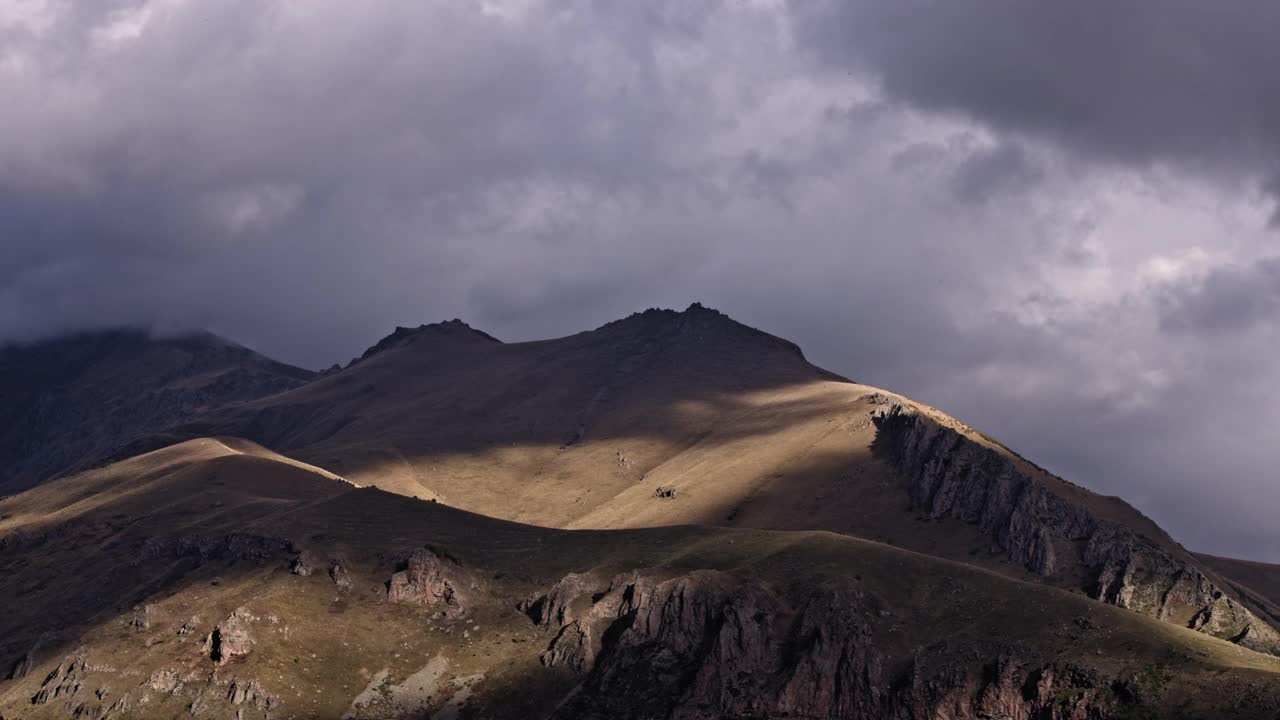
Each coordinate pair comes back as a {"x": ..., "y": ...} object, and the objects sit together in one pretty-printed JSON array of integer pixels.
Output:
[
  {"x": 951, "y": 475},
  {"x": 707, "y": 644}
]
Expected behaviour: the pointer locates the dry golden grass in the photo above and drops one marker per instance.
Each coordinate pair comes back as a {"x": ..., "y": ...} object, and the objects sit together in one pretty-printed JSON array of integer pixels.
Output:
[{"x": 324, "y": 647}]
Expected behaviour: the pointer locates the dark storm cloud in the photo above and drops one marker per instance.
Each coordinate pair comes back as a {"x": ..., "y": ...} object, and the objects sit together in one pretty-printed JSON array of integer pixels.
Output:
[
  {"x": 1228, "y": 299},
  {"x": 953, "y": 200},
  {"x": 1136, "y": 82},
  {"x": 995, "y": 170}
]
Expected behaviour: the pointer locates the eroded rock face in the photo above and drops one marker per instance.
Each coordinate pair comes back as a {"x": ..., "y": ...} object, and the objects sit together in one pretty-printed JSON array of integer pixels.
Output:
[
  {"x": 1226, "y": 619},
  {"x": 707, "y": 645},
  {"x": 950, "y": 475},
  {"x": 231, "y": 637}
]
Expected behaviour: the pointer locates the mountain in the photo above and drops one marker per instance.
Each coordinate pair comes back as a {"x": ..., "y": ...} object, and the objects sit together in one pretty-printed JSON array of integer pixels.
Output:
[
  {"x": 67, "y": 402},
  {"x": 672, "y": 515},
  {"x": 217, "y": 579},
  {"x": 690, "y": 417}
]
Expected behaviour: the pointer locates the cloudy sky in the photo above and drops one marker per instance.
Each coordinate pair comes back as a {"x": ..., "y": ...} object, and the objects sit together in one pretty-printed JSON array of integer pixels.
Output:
[{"x": 1058, "y": 222}]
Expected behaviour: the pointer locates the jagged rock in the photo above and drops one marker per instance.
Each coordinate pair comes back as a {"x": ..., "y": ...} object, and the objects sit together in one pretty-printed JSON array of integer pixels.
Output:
[
  {"x": 708, "y": 645},
  {"x": 429, "y": 578},
  {"x": 141, "y": 619},
  {"x": 25, "y": 664},
  {"x": 22, "y": 667},
  {"x": 837, "y": 670},
  {"x": 665, "y": 492},
  {"x": 578, "y": 618},
  {"x": 339, "y": 575},
  {"x": 240, "y": 692},
  {"x": 163, "y": 681},
  {"x": 557, "y": 605},
  {"x": 189, "y": 626},
  {"x": 231, "y": 637},
  {"x": 1226, "y": 619},
  {"x": 949, "y": 475},
  {"x": 259, "y": 549},
  {"x": 64, "y": 682},
  {"x": 304, "y": 564},
  {"x": 704, "y": 644}
]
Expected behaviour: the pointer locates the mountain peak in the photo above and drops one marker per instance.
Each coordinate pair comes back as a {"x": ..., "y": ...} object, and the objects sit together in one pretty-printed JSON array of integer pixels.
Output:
[
  {"x": 453, "y": 330},
  {"x": 702, "y": 324}
]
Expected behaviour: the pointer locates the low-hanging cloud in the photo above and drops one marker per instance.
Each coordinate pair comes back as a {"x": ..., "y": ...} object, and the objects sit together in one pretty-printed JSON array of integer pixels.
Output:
[{"x": 1004, "y": 219}]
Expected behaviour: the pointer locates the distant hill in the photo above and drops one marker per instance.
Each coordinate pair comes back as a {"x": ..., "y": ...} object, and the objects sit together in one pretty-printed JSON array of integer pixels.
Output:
[{"x": 73, "y": 400}]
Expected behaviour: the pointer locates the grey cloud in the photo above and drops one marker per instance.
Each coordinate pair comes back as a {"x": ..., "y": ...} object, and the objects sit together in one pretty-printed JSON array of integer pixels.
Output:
[
  {"x": 1228, "y": 299},
  {"x": 1183, "y": 82},
  {"x": 1004, "y": 167}
]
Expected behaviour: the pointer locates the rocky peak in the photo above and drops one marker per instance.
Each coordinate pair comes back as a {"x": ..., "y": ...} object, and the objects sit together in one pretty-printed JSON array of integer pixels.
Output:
[
  {"x": 699, "y": 324},
  {"x": 450, "y": 330}
]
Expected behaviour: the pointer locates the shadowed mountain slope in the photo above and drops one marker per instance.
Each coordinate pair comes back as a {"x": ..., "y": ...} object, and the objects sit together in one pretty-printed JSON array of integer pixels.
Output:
[
  {"x": 216, "y": 579},
  {"x": 68, "y": 402}
]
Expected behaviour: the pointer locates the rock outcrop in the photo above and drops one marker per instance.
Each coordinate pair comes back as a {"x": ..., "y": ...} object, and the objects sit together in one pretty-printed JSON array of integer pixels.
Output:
[
  {"x": 339, "y": 575},
  {"x": 142, "y": 615},
  {"x": 163, "y": 681},
  {"x": 231, "y": 637},
  {"x": 250, "y": 692},
  {"x": 431, "y": 578},
  {"x": 25, "y": 664},
  {"x": 64, "y": 682},
  {"x": 709, "y": 645},
  {"x": 950, "y": 475},
  {"x": 259, "y": 549},
  {"x": 304, "y": 564}
]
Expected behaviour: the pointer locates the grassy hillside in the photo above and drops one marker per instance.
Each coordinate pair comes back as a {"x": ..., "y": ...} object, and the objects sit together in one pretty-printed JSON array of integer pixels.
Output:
[{"x": 120, "y": 576}]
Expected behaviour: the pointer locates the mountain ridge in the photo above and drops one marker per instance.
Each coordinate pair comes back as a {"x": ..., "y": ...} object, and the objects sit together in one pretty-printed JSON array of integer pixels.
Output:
[{"x": 689, "y": 417}]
